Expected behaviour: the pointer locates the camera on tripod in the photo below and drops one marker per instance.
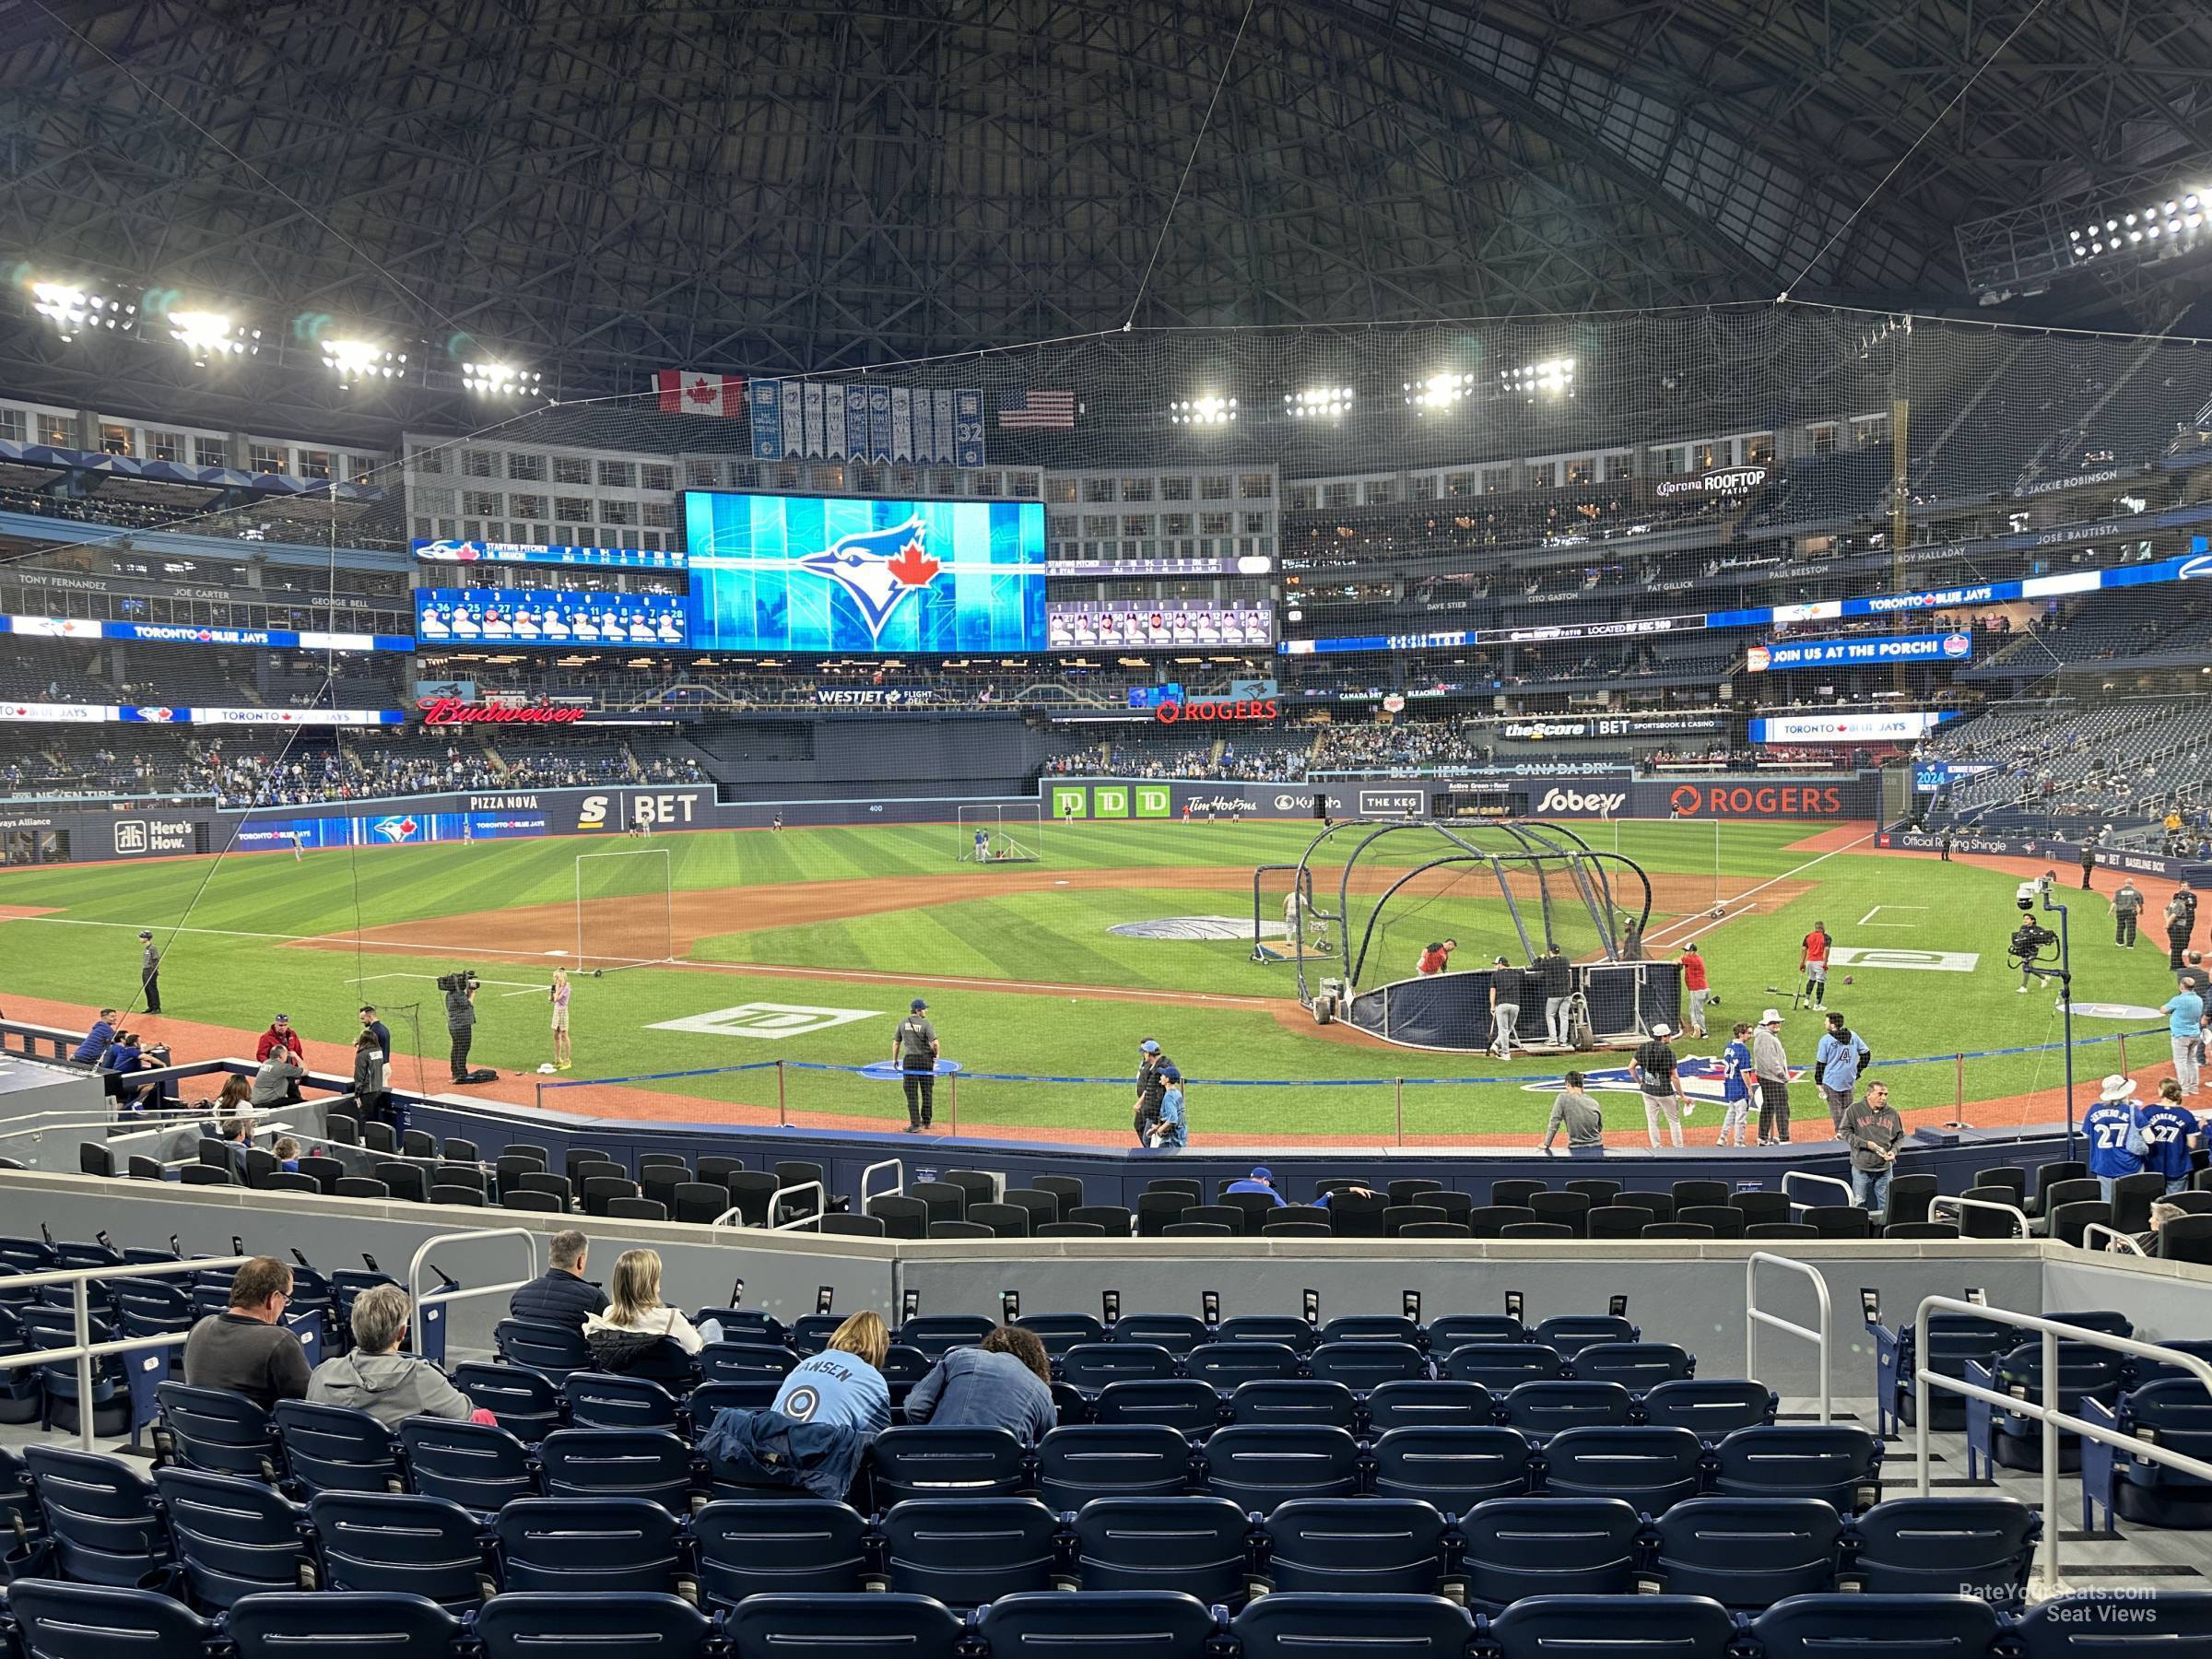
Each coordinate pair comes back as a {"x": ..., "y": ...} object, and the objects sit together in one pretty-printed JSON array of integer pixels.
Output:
[{"x": 459, "y": 983}]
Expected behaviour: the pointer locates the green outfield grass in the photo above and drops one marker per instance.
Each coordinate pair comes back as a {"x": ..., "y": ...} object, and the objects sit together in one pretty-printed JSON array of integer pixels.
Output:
[{"x": 232, "y": 966}]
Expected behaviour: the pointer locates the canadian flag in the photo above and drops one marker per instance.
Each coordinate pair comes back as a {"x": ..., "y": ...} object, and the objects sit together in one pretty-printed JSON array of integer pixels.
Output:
[{"x": 686, "y": 392}]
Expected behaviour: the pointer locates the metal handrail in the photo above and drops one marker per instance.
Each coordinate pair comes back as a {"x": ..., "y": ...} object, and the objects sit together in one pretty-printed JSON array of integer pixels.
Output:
[
  {"x": 437, "y": 1297},
  {"x": 2127, "y": 1238},
  {"x": 1755, "y": 1316},
  {"x": 85, "y": 1350},
  {"x": 1849, "y": 1195},
  {"x": 893, "y": 1164},
  {"x": 2047, "y": 1413},
  {"x": 822, "y": 1205},
  {"x": 1964, "y": 1203}
]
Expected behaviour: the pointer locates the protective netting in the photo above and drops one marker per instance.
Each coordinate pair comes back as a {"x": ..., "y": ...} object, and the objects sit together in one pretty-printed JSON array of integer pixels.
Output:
[{"x": 624, "y": 916}]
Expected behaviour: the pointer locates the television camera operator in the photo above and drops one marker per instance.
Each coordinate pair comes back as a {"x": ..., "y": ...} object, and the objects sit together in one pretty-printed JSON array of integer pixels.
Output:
[
  {"x": 459, "y": 1017},
  {"x": 2032, "y": 939}
]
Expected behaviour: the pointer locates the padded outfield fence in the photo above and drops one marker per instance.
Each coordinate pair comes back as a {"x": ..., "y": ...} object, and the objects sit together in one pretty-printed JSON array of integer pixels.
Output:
[{"x": 1932, "y": 1091}]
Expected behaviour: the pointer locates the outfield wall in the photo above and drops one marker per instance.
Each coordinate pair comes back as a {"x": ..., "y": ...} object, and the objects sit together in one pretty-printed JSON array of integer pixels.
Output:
[
  {"x": 122, "y": 830},
  {"x": 2064, "y": 855}
]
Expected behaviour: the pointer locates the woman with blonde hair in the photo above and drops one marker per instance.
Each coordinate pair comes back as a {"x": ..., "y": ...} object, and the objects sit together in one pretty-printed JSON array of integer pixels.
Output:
[
  {"x": 634, "y": 1311},
  {"x": 843, "y": 1384},
  {"x": 560, "y": 995}
]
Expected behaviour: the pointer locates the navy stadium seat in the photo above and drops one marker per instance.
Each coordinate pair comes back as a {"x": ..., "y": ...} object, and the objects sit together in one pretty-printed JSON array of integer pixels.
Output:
[
  {"x": 937, "y": 1335},
  {"x": 745, "y": 1362},
  {"x": 1876, "y": 1627},
  {"x": 926, "y": 1461},
  {"x": 2174, "y": 1409},
  {"x": 1372, "y": 1327},
  {"x": 1092, "y": 1365},
  {"x": 842, "y": 1627},
  {"x": 1297, "y": 1400},
  {"x": 617, "y": 1463},
  {"x": 397, "y": 1541},
  {"x": 335, "y": 1449},
  {"x": 1970, "y": 1545},
  {"x": 473, "y": 1464},
  {"x": 216, "y": 1430},
  {"x": 1711, "y": 1406},
  {"x": 102, "y": 1525},
  {"x": 1955, "y": 1340},
  {"x": 1453, "y": 1468},
  {"x": 779, "y": 1546},
  {"x": 1111, "y": 1460},
  {"x": 1499, "y": 1366},
  {"x": 539, "y": 1626},
  {"x": 1453, "y": 1329},
  {"x": 1571, "y": 1333},
  {"x": 233, "y": 1537},
  {"x": 1059, "y": 1332},
  {"x": 1521, "y": 1546},
  {"x": 1595, "y": 1627},
  {"x": 1749, "y": 1553},
  {"x": 1178, "y": 1333},
  {"x": 1287, "y": 1329},
  {"x": 364, "y": 1624},
  {"x": 527, "y": 1404},
  {"x": 1154, "y": 1623},
  {"x": 1362, "y": 1366},
  {"x": 1189, "y": 1407},
  {"x": 587, "y": 1544},
  {"x": 1224, "y": 1365},
  {"x": 1299, "y": 1624},
  {"x": 1839, "y": 1461},
  {"x": 1363, "y": 1545},
  {"x": 1259, "y": 1466},
  {"x": 56, "y": 1620},
  {"x": 1198, "y": 1546},
  {"x": 1639, "y": 1366},
  {"x": 604, "y": 1400},
  {"x": 554, "y": 1349},
  {"x": 1543, "y": 1408},
  {"x": 1651, "y": 1467},
  {"x": 967, "y": 1551},
  {"x": 1424, "y": 1402}
]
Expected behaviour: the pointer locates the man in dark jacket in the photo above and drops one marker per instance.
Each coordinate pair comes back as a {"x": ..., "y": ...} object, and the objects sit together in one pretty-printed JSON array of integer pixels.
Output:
[
  {"x": 1006, "y": 1384},
  {"x": 1154, "y": 1072},
  {"x": 1555, "y": 978},
  {"x": 1873, "y": 1130},
  {"x": 561, "y": 1295}
]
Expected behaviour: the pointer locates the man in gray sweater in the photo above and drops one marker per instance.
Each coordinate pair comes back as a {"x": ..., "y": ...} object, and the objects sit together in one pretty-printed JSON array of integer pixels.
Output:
[
  {"x": 380, "y": 1380},
  {"x": 245, "y": 1350},
  {"x": 1771, "y": 1065}
]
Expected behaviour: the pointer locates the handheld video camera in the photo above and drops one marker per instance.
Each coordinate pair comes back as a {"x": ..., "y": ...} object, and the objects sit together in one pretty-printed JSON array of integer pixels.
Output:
[{"x": 461, "y": 983}]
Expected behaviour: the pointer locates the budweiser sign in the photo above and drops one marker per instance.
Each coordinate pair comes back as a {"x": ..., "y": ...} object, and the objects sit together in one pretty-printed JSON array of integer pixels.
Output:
[{"x": 452, "y": 711}]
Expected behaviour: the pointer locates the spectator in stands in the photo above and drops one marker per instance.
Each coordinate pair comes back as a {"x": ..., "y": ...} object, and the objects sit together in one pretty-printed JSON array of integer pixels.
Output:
[
  {"x": 635, "y": 1318},
  {"x": 2127, "y": 905},
  {"x": 1574, "y": 1110},
  {"x": 1653, "y": 1069},
  {"x": 2168, "y": 1128},
  {"x": 380, "y": 1380},
  {"x": 97, "y": 1039},
  {"x": 280, "y": 1035},
  {"x": 243, "y": 1351},
  {"x": 2161, "y": 1212},
  {"x": 1261, "y": 1180},
  {"x": 1700, "y": 988},
  {"x": 1836, "y": 1063},
  {"x": 235, "y": 1096},
  {"x": 1771, "y": 1065},
  {"x": 277, "y": 1081},
  {"x": 2113, "y": 1130},
  {"x": 287, "y": 1153},
  {"x": 2185, "y": 1013},
  {"x": 844, "y": 1384},
  {"x": 560, "y": 1295},
  {"x": 125, "y": 1056},
  {"x": 377, "y": 1029},
  {"x": 1873, "y": 1130},
  {"x": 1006, "y": 1384}
]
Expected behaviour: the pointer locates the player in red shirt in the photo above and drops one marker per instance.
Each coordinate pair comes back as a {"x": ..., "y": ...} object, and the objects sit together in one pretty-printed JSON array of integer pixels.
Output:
[
  {"x": 1696, "y": 984},
  {"x": 1813, "y": 963},
  {"x": 1436, "y": 957}
]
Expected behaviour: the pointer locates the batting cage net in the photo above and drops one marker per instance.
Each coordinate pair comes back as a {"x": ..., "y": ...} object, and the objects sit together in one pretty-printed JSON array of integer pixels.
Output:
[
  {"x": 1002, "y": 833},
  {"x": 1287, "y": 925},
  {"x": 625, "y": 909}
]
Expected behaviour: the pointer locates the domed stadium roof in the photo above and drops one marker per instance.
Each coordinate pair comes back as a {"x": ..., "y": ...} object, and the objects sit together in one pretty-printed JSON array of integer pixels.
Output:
[{"x": 780, "y": 187}]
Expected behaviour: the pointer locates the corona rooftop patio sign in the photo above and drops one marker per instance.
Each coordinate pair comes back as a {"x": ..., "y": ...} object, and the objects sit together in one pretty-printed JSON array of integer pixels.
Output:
[{"x": 452, "y": 711}]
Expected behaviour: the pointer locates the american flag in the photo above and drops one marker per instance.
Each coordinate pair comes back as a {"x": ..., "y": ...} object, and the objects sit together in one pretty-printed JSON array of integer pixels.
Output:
[{"x": 1036, "y": 411}]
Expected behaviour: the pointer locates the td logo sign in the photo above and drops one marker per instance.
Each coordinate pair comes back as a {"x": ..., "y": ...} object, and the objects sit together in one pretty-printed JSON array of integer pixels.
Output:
[
  {"x": 1069, "y": 803},
  {"x": 1109, "y": 801},
  {"x": 1154, "y": 801}
]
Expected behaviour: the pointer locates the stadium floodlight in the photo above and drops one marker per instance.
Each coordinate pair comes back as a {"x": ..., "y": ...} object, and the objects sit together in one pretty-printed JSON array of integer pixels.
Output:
[
  {"x": 2156, "y": 218},
  {"x": 206, "y": 335},
  {"x": 1438, "y": 391},
  {"x": 1210, "y": 409},
  {"x": 353, "y": 360},
  {"x": 1552, "y": 378},
  {"x": 1318, "y": 403},
  {"x": 74, "y": 310},
  {"x": 500, "y": 380}
]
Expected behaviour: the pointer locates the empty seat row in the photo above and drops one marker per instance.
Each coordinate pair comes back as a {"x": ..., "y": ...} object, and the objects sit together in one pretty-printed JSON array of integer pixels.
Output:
[{"x": 66, "y": 1621}]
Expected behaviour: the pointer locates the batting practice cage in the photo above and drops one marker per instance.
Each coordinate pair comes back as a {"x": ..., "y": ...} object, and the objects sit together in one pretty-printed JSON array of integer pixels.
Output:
[
  {"x": 625, "y": 909},
  {"x": 1369, "y": 899},
  {"x": 1011, "y": 834}
]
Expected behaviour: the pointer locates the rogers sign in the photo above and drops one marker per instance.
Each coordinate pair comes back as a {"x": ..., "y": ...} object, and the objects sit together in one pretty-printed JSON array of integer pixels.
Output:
[
  {"x": 452, "y": 711},
  {"x": 1756, "y": 800},
  {"x": 1168, "y": 713}
]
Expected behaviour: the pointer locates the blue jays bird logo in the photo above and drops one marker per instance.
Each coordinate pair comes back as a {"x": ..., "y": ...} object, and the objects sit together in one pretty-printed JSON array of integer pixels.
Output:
[
  {"x": 877, "y": 569},
  {"x": 394, "y": 828},
  {"x": 1697, "y": 1077}
]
